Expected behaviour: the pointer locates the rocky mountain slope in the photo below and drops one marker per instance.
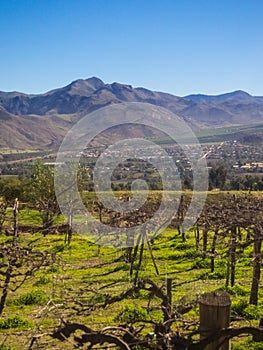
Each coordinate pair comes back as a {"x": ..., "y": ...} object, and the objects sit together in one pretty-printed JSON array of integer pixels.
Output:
[{"x": 41, "y": 121}]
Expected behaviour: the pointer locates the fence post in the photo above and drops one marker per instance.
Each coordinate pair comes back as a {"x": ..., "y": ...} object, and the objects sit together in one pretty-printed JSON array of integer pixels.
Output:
[
  {"x": 169, "y": 282},
  {"x": 214, "y": 310},
  {"x": 15, "y": 212}
]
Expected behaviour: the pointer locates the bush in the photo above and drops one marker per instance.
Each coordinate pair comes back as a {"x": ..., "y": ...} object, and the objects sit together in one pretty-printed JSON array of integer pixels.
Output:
[
  {"x": 216, "y": 275},
  {"x": 249, "y": 312},
  {"x": 130, "y": 314},
  {"x": 237, "y": 290},
  {"x": 36, "y": 297},
  {"x": 239, "y": 307},
  {"x": 252, "y": 312},
  {"x": 15, "y": 322}
]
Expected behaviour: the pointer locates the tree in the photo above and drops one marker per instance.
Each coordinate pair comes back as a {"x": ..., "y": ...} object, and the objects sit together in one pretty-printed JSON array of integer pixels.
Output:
[
  {"x": 43, "y": 193},
  {"x": 10, "y": 189},
  {"x": 71, "y": 177},
  {"x": 217, "y": 177}
]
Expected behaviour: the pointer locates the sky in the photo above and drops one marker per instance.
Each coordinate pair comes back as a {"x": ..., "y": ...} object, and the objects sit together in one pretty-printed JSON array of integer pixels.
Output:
[{"x": 176, "y": 46}]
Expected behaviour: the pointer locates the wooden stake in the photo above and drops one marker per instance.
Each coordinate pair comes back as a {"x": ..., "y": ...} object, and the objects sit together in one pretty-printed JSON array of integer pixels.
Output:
[{"x": 214, "y": 315}]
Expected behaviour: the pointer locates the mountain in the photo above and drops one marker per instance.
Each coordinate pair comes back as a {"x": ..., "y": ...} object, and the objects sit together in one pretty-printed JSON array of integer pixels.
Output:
[
  {"x": 238, "y": 95},
  {"x": 234, "y": 108},
  {"x": 30, "y": 132},
  {"x": 40, "y": 121}
]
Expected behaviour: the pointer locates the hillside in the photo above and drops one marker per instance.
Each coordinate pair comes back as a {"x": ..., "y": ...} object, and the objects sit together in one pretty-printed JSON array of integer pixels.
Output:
[{"x": 40, "y": 121}]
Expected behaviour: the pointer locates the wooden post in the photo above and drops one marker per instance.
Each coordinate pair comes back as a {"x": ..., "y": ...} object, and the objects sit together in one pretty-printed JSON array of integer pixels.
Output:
[
  {"x": 169, "y": 293},
  {"x": 69, "y": 228},
  {"x": 214, "y": 315},
  {"x": 15, "y": 211}
]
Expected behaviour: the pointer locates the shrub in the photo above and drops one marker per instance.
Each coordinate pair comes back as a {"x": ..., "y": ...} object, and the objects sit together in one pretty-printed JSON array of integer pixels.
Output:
[
  {"x": 239, "y": 307},
  {"x": 15, "y": 322},
  {"x": 216, "y": 275},
  {"x": 252, "y": 312},
  {"x": 36, "y": 297},
  {"x": 237, "y": 290},
  {"x": 130, "y": 314}
]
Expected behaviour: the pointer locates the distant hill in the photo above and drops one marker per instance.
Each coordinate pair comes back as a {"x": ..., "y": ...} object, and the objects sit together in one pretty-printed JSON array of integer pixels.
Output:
[
  {"x": 40, "y": 121},
  {"x": 235, "y": 96}
]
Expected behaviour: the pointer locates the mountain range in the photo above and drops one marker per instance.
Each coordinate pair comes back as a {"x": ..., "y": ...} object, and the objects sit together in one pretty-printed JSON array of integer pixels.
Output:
[{"x": 40, "y": 121}]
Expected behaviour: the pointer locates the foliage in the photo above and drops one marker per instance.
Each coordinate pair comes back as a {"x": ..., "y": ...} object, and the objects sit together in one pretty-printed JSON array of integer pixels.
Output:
[
  {"x": 43, "y": 193},
  {"x": 246, "y": 344},
  {"x": 15, "y": 322},
  {"x": 249, "y": 312},
  {"x": 236, "y": 290},
  {"x": 6, "y": 347},
  {"x": 218, "y": 176},
  {"x": 42, "y": 281},
  {"x": 247, "y": 183},
  {"x": 14, "y": 187},
  {"x": 132, "y": 314},
  {"x": 10, "y": 189},
  {"x": 216, "y": 275},
  {"x": 252, "y": 312},
  {"x": 35, "y": 297}
]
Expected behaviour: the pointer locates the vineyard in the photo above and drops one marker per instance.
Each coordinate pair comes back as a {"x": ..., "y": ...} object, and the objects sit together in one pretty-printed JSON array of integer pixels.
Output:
[
  {"x": 131, "y": 175},
  {"x": 61, "y": 291}
]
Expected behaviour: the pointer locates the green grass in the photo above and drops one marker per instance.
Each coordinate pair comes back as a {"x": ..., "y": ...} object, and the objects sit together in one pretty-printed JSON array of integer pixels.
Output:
[
  {"x": 30, "y": 217},
  {"x": 227, "y": 133},
  {"x": 82, "y": 274},
  {"x": 230, "y": 130},
  {"x": 214, "y": 135},
  {"x": 85, "y": 275}
]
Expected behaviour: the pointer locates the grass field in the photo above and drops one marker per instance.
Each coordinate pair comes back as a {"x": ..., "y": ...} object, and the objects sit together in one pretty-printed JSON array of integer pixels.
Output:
[
  {"x": 216, "y": 135},
  {"x": 229, "y": 133}
]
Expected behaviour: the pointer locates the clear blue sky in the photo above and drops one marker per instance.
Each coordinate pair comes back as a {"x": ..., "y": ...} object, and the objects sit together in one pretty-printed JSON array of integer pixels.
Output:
[{"x": 177, "y": 46}]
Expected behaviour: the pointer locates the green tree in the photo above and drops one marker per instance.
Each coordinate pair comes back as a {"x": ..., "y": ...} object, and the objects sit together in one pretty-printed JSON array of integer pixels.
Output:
[
  {"x": 218, "y": 176},
  {"x": 43, "y": 193},
  {"x": 10, "y": 189}
]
